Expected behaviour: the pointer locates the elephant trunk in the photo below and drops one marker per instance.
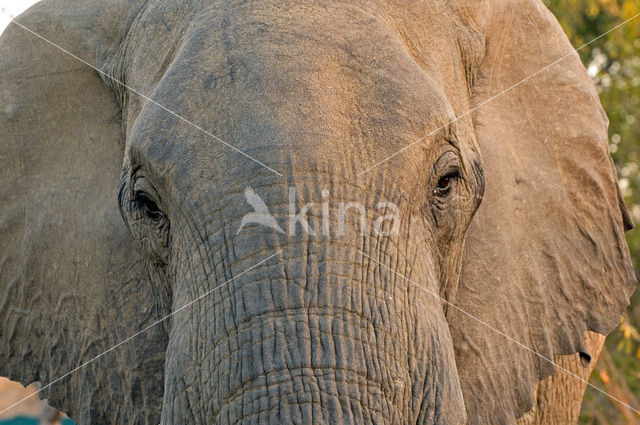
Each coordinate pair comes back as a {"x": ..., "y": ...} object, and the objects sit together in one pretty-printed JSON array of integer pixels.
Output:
[
  {"x": 316, "y": 334},
  {"x": 311, "y": 342}
]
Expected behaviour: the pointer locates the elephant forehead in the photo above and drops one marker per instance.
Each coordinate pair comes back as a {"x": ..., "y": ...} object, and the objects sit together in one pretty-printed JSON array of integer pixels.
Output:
[{"x": 336, "y": 86}]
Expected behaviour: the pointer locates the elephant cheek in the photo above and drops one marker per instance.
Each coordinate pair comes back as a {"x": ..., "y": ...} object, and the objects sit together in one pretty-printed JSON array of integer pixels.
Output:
[{"x": 312, "y": 343}]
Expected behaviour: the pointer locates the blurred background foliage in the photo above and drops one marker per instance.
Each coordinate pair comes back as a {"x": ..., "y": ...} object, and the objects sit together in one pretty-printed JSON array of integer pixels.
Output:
[{"x": 613, "y": 62}]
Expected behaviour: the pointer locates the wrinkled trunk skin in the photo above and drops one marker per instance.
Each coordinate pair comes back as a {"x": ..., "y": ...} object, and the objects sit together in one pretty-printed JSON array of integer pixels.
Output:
[
  {"x": 559, "y": 397},
  {"x": 309, "y": 337}
]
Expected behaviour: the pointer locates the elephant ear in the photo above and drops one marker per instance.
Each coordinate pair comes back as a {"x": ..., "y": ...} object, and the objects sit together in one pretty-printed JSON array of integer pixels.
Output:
[
  {"x": 72, "y": 283},
  {"x": 545, "y": 256}
]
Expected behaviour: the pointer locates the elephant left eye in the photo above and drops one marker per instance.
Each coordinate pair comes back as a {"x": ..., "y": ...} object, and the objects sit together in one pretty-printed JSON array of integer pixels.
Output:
[{"x": 445, "y": 183}]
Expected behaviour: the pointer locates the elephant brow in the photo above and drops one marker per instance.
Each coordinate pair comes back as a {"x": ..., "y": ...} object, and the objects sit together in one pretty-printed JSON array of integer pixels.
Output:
[
  {"x": 191, "y": 123},
  {"x": 491, "y": 99}
]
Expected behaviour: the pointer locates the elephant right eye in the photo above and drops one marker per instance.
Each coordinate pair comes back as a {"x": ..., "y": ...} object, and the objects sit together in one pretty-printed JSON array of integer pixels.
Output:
[
  {"x": 149, "y": 225},
  {"x": 144, "y": 203}
]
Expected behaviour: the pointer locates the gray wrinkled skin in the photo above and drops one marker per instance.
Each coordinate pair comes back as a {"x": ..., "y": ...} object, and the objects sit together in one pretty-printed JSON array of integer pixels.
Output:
[{"x": 529, "y": 238}]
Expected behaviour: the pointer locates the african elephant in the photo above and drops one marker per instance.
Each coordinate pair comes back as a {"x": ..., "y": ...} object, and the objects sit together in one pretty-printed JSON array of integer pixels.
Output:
[{"x": 135, "y": 133}]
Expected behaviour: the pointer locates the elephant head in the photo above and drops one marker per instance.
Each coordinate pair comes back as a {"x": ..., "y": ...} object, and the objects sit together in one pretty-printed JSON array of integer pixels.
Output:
[{"x": 136, "y": 135}]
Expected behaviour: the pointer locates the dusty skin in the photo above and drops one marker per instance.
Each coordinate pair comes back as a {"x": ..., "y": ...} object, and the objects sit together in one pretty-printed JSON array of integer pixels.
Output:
[{"x": 115, "y": 211}]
